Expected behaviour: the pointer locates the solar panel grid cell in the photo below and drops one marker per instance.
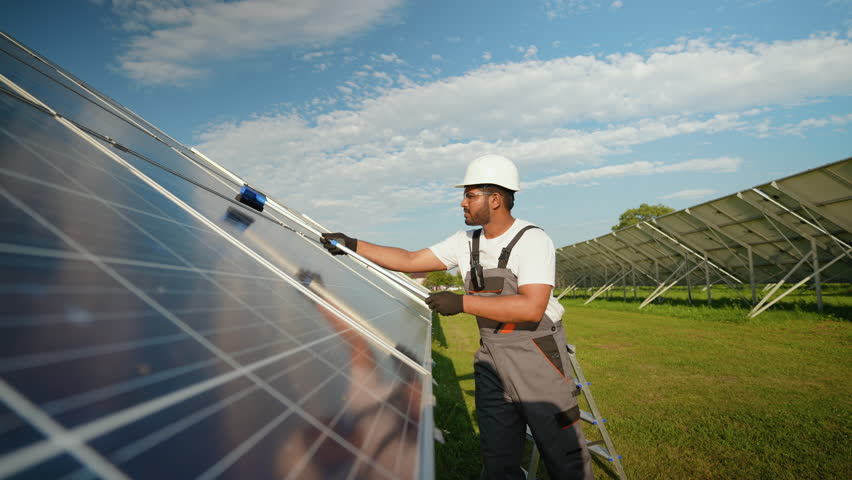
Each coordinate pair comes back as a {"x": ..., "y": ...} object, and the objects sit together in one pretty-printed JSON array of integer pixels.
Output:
[
  {"x": 57, "y": 467},
  {"x": 15, "y": 432}
]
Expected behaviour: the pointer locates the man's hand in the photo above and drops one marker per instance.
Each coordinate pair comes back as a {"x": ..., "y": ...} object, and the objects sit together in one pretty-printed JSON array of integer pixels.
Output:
[
  {"x": 350, "y": 243},
  {"x": 446, "y": 303}
]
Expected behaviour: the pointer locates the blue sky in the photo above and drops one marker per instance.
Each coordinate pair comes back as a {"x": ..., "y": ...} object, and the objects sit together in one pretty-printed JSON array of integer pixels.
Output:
[{"x": 364, "y": 114}]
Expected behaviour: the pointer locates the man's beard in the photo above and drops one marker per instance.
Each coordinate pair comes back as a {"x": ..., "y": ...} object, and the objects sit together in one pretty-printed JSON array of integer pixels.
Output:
[{"x": 479, "y": 217}]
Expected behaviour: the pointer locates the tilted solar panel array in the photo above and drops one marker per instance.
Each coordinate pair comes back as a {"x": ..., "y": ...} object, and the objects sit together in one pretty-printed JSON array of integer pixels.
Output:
[
  {"x": 152, "y": 327},
  {"x": 789, "y": 231}
]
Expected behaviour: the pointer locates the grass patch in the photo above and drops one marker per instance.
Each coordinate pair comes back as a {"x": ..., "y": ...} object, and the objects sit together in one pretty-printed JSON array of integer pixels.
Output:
[
  {"x": 684, "y": 397},
  {"x": 727, "y": 305}
]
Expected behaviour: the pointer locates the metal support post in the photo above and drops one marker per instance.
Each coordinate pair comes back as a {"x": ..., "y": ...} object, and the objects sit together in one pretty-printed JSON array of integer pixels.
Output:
[
  {"x": 817, "y": 278},
  {"x": 760, "y": 307},
  {"x": 688, "y": 290},
  {"x": 707, "y": 279},
  {"x": 606, "y": 287},
  {"x": 667, "y": 285},
  {"x": 751, "y": 278},
  {"x": 635, "y": 297}
]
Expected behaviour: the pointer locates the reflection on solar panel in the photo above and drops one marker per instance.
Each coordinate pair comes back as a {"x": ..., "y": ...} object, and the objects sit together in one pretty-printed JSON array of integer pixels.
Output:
[
  {"x": 783, "y": 234},
  {"x": 153, "y": 327}
]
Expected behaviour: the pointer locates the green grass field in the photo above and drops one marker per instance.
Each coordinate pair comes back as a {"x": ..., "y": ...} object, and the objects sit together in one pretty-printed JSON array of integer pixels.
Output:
[
  {"x": 689, "y": 392},
  {"x": 727, "y": 304}
]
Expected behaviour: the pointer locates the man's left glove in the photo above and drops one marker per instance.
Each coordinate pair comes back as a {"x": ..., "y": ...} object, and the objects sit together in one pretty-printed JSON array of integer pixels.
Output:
[
  {"x": 348, "y": 242},
  {"x": 446, "y": 303}
]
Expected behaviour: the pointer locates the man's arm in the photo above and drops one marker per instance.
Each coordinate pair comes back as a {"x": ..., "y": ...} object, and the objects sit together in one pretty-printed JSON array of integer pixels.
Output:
[
  {"x": 391, "y": 258},
  {"x": 528, "y": 305},
  {"x": 400, "y": 260}
]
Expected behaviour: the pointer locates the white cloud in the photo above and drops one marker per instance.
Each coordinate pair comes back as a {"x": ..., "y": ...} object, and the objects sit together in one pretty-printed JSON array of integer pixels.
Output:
[
  {"x": 391, "y": 58},
  {"x": 159, "y": 72},
  {"x": 798, "y": 129},
  {"x": 616, "y": 4},
  {"x": 563, "y": 8},
  {"x": 549, "y": 116},
  {"x": 404, "y": 82},
  {"x": 703, "y": 165},
  {"x": 383, "y": 76},
  {"x": 531, "y": 51},
  {"x": 486, "y": 56},
  {"x": 717, "y": 165},
  {"x": 556, "y": 43},
  {"x": 173, "y": 39},
  {"x": 691, "y": 194},
  {"x": 436, "y": 57},
  {"x": 313, "y": 55}
]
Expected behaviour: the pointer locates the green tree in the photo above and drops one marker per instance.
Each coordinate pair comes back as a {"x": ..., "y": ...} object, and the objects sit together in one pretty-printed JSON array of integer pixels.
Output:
[
  {"x": 632, "y": 216},
  {"x": 439, "y": 280}
]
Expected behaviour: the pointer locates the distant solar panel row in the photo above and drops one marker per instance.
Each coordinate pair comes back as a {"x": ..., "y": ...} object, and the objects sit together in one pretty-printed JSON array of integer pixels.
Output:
[
  {"x": 154, "y": 328},
  {"x": 790, "y": 231}
]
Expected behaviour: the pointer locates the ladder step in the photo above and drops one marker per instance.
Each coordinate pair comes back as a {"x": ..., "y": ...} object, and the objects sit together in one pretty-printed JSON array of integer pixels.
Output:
[
  {"x": 588, "y": 417},
  {"x": 601, "y": 451}
]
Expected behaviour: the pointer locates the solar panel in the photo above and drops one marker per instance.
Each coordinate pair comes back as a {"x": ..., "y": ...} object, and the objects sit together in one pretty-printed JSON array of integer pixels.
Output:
[
  {"x": 791, "y": 230},
  {"x": 153, "y": 327}
]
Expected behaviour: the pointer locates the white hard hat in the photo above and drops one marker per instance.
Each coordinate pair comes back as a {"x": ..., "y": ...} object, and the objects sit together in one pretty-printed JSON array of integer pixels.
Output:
[{"x": 493, "y": 169}]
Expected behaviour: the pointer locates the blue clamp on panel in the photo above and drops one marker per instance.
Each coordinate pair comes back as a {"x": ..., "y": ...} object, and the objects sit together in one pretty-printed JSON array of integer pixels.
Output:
[{"x": 251, "y": 197}]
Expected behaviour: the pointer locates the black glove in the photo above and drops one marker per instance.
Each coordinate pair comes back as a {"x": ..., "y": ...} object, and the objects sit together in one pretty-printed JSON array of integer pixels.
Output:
[
  {"x": 350, "y": 243},
  {"x": 446, "y": 303}
]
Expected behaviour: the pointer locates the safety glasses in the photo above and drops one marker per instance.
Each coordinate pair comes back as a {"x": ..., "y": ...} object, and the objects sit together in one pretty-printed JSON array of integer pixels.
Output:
[{"x": 471, "y": 195}]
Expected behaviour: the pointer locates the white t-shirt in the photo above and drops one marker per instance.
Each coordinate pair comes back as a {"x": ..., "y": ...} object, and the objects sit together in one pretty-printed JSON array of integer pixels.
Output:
[{"x": 533, "y": 258}]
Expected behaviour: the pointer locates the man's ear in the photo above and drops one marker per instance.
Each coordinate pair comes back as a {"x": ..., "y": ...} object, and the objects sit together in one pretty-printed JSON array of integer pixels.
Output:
[{"x": 495, "y": 201}]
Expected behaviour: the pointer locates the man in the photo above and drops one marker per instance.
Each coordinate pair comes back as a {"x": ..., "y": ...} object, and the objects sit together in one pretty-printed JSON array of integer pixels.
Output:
[{"x": 521, "y": 371}]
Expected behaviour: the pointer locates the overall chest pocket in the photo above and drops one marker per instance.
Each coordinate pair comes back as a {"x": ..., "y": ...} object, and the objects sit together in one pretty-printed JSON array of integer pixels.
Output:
[{"x": 492, "y": 285}]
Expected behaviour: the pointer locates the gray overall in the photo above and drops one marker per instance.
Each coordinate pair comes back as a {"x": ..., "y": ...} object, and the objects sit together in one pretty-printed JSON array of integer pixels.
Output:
[{"x": 523, "y": 377}]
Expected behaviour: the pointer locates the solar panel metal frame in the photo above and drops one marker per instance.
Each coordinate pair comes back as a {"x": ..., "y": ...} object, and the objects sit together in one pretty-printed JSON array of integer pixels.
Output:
[{"x": 426, "y": 469}]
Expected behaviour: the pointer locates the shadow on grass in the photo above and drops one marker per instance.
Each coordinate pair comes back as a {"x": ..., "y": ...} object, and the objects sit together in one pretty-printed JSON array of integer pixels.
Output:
[
  {"x": 605, "y": 466},
  {"x": 437, "y": 331},
  {"x": 458, "y": 457}
]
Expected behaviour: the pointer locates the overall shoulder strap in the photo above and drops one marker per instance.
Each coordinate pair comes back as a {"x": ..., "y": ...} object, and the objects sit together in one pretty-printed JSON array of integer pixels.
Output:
[
  {"x": 504, "y": 255},
  {"x": 474, "y": 249}
]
